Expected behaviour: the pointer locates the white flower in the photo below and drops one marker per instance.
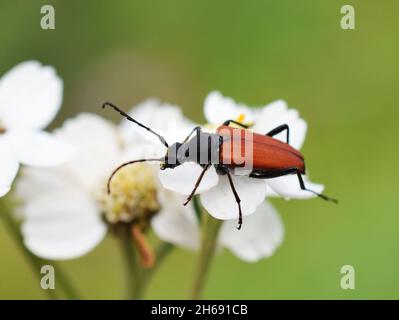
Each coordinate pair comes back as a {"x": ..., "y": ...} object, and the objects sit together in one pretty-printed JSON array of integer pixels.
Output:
[
  {"x": 65, "y": 207},
  {"x": 30, "y": 97},
  {"x": 262, "y": 234},
  {"x": 263, "y": 231},
  {"x": 216, "y": 194}
]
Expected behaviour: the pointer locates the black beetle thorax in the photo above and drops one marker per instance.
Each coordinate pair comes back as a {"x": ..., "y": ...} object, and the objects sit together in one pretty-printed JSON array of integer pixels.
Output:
[{"x": 202, "y": 149}]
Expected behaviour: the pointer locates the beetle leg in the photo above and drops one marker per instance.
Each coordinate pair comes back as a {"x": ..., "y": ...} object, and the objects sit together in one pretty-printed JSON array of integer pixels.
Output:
[
  {"x": 227, "y": 123},
  {"x": 269, "y": 174},
  {"x": 197, "y": 183},
  {"x": 279, "y": 129},
  {"x": 279, "y": 173},
  {"x": 303, "y": 187},
  {"x": 238, "y": 200},
  {"x": 196, "y": 129}
]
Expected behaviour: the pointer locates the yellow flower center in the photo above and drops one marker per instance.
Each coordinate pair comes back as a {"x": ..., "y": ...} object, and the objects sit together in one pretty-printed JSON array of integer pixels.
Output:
[
  {"x": 133, "y": 196},
  {"x": 241, "y": 118}
]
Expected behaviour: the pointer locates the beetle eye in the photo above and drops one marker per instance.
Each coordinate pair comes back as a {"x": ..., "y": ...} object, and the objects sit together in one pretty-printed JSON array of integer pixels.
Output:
[{"x": 186, "y": 153}]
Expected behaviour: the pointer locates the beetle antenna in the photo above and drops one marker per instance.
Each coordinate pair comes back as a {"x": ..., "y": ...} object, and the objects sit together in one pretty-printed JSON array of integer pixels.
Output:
[
  {"x": 124, "y": 165},
  {"x": 109, "y": 104}
]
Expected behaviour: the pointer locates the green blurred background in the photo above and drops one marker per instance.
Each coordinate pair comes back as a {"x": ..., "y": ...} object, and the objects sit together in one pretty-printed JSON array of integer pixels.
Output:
[{"x": 344, "y": 83}]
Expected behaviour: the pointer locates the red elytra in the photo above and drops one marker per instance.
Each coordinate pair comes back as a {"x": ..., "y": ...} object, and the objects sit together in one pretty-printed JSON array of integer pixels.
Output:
[{"x": 267, "y": 153}]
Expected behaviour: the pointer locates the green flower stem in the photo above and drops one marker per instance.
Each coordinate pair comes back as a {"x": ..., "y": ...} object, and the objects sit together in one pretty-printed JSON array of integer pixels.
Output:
[
  {"x": 162, "y": 251},
  {"x": 137, "y": 278},
  {"x": 132, "y": 268},
  {"x": 64, "y": 281},
  {"x": 210, "y": 232},
  {"x": 35, "y": 262}
]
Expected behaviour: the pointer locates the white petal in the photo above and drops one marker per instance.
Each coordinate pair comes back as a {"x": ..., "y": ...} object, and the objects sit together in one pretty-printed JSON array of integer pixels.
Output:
[
  {"x": 177, "y": 224},
  {"x": 220, "y": 202},
  {"x": 260, "y": 235},
  {"x": 98, "y": 147},
  {"x": 276, "y": 114},
  {"x": 30, "y": 96},
  {"x": 218, "y": 109},
  {"x": 34, "y": 183},
  {"x": 92, "y": 133},
  {"x": 143, "y": 150},
  {"x": 270, "y": 193},
  {"x": 288, "y": 187},
  {"x": 62, "y": 227},
  {"x": 165, "y": 119},
  {"x": 8, "y": 167},
  {"x": 182, "y": 179},
  {"x": 39, "y": 148}
]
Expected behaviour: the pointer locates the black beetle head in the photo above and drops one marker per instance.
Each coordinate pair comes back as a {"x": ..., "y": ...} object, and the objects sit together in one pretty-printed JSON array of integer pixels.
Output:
[{"x": 171, "y": 157}]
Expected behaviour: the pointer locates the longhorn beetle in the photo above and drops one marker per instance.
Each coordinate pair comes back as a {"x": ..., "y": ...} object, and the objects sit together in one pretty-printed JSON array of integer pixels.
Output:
[{"x": 270, "y": 157}]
